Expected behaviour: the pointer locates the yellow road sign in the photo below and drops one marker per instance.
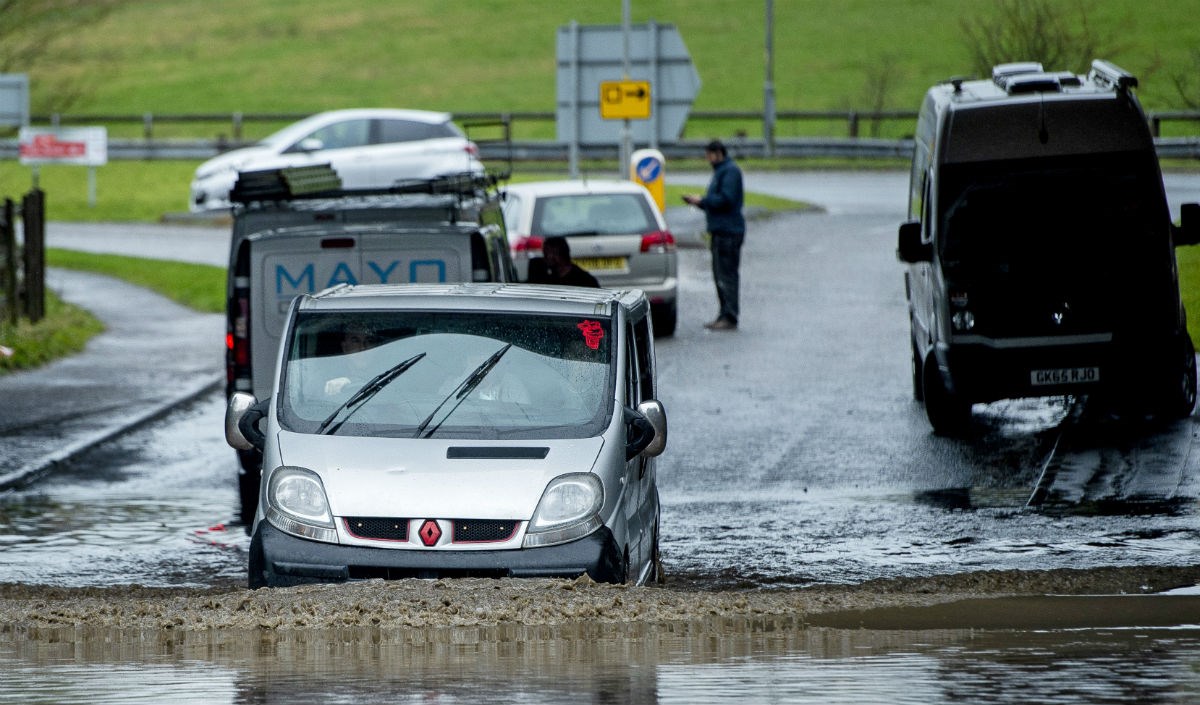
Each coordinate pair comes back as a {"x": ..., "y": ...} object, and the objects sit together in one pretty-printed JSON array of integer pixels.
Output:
[{"x": 625, "y": 100}]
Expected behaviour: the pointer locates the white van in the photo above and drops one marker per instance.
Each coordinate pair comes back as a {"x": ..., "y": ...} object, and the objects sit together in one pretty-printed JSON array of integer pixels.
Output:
[
  {"x": 286, "y": 244},
  {"x": 483, "y": 430},
  {"x": 1040, "y": 248}
]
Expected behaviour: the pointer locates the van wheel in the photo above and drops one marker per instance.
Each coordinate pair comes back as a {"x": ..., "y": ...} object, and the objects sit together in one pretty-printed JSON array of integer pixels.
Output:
[
  {"x": 664, "y": 318},
  {"x": 1181, "y": 398},
  {"x": 248, "y": 481},
  {"x": 656, "y": 570},
  {"x": 918, "y": 383},
  {"x": 256, "y": 576},
  {"x": 948, "y": 413}
]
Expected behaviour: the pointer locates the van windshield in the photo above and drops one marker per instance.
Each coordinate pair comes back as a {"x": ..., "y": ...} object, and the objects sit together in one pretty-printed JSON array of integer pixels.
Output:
[
  {"x": 466, "y": 375},
  {"x": 1074, "y": 217}
]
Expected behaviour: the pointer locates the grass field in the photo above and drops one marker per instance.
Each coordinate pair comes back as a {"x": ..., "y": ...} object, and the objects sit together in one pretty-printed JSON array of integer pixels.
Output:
[
  {"x": 290, "y": 56},
  {"x": 299, "y": 56}
]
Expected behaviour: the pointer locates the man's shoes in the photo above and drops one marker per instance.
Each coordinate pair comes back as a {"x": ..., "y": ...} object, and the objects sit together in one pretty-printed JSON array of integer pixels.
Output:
[{"x": 721, "y": 324}]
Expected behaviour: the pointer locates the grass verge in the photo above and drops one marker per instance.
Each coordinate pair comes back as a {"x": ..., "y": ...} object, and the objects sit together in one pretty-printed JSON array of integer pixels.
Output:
[
  {"x": 65, "y": 330},
  {"x": 198, "y": 286}
]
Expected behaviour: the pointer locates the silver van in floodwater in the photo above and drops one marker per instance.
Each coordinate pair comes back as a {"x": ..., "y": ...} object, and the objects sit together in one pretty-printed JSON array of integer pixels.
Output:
[{"x": 485, "y": 430}]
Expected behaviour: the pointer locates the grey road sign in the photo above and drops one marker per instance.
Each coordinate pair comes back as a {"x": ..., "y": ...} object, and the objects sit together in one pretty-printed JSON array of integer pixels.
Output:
[
  {"x": 589, "y": 55},
  {"x": 14, "y": 100}
]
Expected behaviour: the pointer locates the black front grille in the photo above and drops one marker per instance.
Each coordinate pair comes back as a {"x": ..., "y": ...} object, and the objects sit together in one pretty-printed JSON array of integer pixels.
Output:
[
  {"x": 480, "y": 530},
  {"x": 465, "y": 530},
  {"x": 380, "y": 528}
]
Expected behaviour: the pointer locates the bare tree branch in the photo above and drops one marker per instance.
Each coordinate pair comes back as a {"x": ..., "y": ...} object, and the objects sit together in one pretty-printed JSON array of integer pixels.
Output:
[
  {"x": 29, "y": 30},
  {"x": 1057, "y": 34}
]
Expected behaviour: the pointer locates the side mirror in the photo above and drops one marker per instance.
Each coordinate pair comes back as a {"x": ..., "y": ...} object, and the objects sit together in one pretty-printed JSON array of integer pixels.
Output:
[
  {"x": 241, "y": 419},
  {"x": 647, "y": 430},
  {"x": 1188, "y": 231},
  {"x": 311, "y": 144},
  {"x": 910, "y": 248},
  {"x": 657, "y": 416}
]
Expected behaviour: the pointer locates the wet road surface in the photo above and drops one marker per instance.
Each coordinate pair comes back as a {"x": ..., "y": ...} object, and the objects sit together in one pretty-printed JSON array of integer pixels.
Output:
[
  {"x": 800, "y": 464},
  {"x": 801, "y": 460}
]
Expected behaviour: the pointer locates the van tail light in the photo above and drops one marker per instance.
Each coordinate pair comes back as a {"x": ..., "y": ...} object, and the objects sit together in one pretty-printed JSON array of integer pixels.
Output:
[
  {"x": 237, "y": 342},
  {"x": 658, "y": 241},
  {"x": 530, "y": 243}
]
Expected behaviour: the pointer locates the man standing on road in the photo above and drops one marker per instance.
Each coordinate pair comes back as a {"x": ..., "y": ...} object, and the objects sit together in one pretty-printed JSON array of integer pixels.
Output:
[{"x": 722, "y": 206}]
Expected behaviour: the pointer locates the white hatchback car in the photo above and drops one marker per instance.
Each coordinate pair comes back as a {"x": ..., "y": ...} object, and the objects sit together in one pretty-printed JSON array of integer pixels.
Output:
[
  {"x": 614, "y": 229},
  {"x": 369, "y": 148},
  {"x": 483, "y": 430}
]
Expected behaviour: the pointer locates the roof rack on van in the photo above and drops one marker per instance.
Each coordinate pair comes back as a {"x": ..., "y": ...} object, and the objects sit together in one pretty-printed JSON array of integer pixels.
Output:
[
  {"x": 322, "y": 181},
  {"x": 1003, "y": 71},
  {"x": 1026, "y": 77},
  {"x": 1109, "y": 74}
]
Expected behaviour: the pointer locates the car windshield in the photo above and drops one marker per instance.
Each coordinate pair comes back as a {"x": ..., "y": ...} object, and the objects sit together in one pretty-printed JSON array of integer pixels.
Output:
[
  {"x": 592, "y": 214},
  {"x": 468, "y": 375}
]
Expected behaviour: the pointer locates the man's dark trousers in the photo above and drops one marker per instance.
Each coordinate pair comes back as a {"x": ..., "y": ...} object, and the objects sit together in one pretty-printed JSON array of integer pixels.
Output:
[{"x": 726, "y": 250}]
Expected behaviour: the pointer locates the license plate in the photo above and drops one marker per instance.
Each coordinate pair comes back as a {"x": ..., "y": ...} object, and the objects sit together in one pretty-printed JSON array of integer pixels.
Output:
[
  {"x": 1065, "y": 375},
  {"x": 593, "y": 264}
]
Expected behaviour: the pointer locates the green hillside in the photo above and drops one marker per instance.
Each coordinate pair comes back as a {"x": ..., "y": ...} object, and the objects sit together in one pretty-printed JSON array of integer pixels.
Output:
[{"x": 298, "y": 56}]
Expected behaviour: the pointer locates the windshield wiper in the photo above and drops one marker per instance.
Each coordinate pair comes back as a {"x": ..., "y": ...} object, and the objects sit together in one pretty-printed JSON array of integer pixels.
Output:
[
  {"x": 460, "y": 392},
  {"x": 365, "y": 392}
]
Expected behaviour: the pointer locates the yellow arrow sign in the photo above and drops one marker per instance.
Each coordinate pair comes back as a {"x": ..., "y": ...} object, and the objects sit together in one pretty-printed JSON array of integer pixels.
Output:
[{"x": 624, "y": 100}]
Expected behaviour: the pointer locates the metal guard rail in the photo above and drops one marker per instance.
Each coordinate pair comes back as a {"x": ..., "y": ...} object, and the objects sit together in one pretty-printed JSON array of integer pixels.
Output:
[{"x": 548, "y": 150}]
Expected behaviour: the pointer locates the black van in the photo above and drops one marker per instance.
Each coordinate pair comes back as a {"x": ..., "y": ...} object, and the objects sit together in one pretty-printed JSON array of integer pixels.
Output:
[{"x": 1040, "y": 247}]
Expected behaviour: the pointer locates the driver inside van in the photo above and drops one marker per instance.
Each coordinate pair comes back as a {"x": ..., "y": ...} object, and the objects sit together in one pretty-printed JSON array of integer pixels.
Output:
[{"x": 355, "y": 339}]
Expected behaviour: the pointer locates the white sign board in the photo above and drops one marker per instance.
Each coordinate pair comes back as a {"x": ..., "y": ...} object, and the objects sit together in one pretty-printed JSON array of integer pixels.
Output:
[{"x": 82, "y": 146}]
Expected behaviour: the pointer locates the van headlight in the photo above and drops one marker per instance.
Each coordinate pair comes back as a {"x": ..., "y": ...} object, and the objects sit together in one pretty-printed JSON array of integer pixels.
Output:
[
  {"x": 569, "y": 509},
  {"x": 296, "y": 504}
]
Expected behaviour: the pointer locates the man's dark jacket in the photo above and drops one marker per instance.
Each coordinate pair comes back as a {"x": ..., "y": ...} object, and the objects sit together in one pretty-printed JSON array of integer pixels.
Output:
[{"x": 722, "y": 203}]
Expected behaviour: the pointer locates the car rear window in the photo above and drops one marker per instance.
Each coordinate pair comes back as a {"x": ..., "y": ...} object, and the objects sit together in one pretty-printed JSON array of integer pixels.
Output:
[
  {"x": 592, "y": 214},
  {"x": 412, "y": 131}
]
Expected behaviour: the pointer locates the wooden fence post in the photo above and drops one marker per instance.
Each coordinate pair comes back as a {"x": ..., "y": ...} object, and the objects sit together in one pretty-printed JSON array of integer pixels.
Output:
[
  {"x": 8, "y": 241},
  {"x": 33, "y": 216}
]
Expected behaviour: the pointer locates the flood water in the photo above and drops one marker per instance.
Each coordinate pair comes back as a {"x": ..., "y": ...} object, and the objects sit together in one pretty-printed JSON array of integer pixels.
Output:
[
  {"x": 154, "y": 508},
  {"x": 750, "y": 663}
]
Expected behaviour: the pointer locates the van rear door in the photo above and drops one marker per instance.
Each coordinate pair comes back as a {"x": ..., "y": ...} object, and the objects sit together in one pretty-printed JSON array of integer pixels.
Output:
[{"x": 285, "y": 264}]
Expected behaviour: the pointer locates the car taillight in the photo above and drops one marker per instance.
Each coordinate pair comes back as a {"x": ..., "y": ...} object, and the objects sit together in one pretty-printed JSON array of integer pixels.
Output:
[
  {"x": 528, "y": 243},
  {"x": 473, "y": 149},
  {"x": 658, "y": 241}
]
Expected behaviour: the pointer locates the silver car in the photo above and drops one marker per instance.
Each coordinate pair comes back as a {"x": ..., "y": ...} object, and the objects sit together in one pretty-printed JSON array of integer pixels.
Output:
[
  {"x": 615, "y": 231},
  {"x": 367, "y": 147},
  {"x": 487, "y": 430}
]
